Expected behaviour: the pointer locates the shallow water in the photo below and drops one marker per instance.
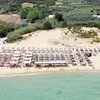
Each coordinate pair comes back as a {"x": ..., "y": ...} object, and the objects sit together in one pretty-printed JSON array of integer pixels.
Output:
[{"x": 53, "y": 86}]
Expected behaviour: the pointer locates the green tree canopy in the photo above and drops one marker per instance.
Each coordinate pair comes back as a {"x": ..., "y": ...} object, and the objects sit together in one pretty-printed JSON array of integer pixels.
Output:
[
  {"x": 47, "y": 25},
  {"x": 59, "y": 16},
  {"x": 33, "y": 15},
  {"x": 24, "y": 13}
]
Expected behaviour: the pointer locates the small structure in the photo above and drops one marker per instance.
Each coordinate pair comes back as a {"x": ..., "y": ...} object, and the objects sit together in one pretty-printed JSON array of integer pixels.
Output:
[
  {"x": 51, "y": 16},
  {"x": 25, "y": 22},
  {"x": 96, "y": 16}
]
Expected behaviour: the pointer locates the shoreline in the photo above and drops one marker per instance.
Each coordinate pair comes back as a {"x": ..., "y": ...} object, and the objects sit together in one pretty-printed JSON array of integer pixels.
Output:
[{"x": 8, "y": 72}]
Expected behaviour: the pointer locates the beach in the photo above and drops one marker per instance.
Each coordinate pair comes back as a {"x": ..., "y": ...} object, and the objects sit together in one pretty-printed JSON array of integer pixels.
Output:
[
  {"x": 55, "y": 38},
  {"x": 8, "y": 72}
]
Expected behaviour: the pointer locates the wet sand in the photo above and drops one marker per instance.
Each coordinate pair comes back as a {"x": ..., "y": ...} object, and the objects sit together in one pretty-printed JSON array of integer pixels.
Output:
[{"x": 6, "y": 72}]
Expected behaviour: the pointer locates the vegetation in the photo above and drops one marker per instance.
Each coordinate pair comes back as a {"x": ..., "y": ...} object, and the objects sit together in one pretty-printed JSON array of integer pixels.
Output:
[
  {"x": 24, "y": 13},
  {"x": 47, "y": 25},
  {"x": 12, "y": 37},
  {"x": 32, "y": 15},
  {"x": 59, "y": 17},
  {"x": 96, "y": 11},
  {"x": 17, "y": 34},
  {"x": 94, "y": 2},
  {"x": 68, "y": 13},
  {"x": 85, "y": 35},
  {"x": 14, "y": 6},
  {"x": 39, "y": 25},
  {"x": 97, "y": 39},
  {"x": 5, "y": 28}
]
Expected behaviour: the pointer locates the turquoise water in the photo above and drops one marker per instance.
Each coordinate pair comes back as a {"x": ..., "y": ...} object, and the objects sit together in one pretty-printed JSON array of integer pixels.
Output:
[{"x": 58, "y": 86}]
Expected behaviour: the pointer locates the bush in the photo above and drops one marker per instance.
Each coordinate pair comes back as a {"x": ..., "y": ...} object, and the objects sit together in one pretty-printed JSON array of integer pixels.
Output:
[
  {"x": 32, "y": 15},
  {"x": 87, "y": 35},
  {"x": 5, "y": 28},
  {"x": 47, "y": 25},
  {"x": 64, "y": 24},
  {"x": 59, "y": 17},
  {"x": 13, "y": 37},
  {"x": 26, "y": 29},
  {"x": 35, "y": 13},
  {"x": 16, "y": 35},
  {"x": 54, "y": 23},
  {"x": 97, "y": 39},
  {"x": 24, "y": 13}
]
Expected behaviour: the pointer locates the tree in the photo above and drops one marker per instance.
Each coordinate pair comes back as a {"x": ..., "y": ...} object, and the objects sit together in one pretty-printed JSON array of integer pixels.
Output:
[
  {"x": 33, "y": 15},
  {"x": 5, "y": 5},
  {"x": 59, "y": 17},
  {"x": 24, "y": 13},
  {"x": 64, "y": 24},
  {"x": 47, "y": 25},
  {"x": 5, "y": 28}
]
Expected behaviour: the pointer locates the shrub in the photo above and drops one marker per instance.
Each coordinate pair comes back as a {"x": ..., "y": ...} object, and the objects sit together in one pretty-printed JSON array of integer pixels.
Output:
[
  {"x": 54, "y": 23},
  {"x": 97, "y": 39},
  {"x": 25, "y": 30},
  {"x": 32, "y": 15},
  {"x": 24, "y": 13},
  {"x": 13, "y": 37},
  {"x": 5, "y": 28},
  {"x": 59, "y": 16},
  {"x": 64, "y": 24},
  {"x": 87, "y": 35},
  {"x": 66, "y": 33},
  {"x": 47, "y": 25},
  {"x": 35, "y": 13}
]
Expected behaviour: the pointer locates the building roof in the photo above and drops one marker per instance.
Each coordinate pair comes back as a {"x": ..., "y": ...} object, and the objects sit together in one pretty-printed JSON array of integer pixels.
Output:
[{"x": 96, "y": 16}]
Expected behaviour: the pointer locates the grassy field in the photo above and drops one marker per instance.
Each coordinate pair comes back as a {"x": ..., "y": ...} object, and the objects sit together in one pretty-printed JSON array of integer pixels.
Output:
[
  {"x": 77, "y": 7},
  {"x": 83, "y": 9}
]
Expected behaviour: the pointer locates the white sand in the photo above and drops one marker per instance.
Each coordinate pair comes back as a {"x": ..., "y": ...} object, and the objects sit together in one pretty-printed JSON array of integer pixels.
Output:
[
  {"x": 96, "y": 61},
  {"x": 6, "y": 72},
  {"x": 53, "y": 38}
]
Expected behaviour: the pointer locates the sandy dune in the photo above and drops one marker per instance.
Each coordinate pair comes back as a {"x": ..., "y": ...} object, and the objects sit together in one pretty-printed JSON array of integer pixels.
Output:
[{"x": 53, "y": 38}]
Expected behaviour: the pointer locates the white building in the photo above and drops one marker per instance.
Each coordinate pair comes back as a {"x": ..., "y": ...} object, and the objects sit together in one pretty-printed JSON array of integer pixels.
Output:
[{"x": 96, "y": 16}]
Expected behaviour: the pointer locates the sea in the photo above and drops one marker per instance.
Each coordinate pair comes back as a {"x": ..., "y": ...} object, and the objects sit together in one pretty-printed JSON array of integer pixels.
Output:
[{"x": 52, "y": 86}]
